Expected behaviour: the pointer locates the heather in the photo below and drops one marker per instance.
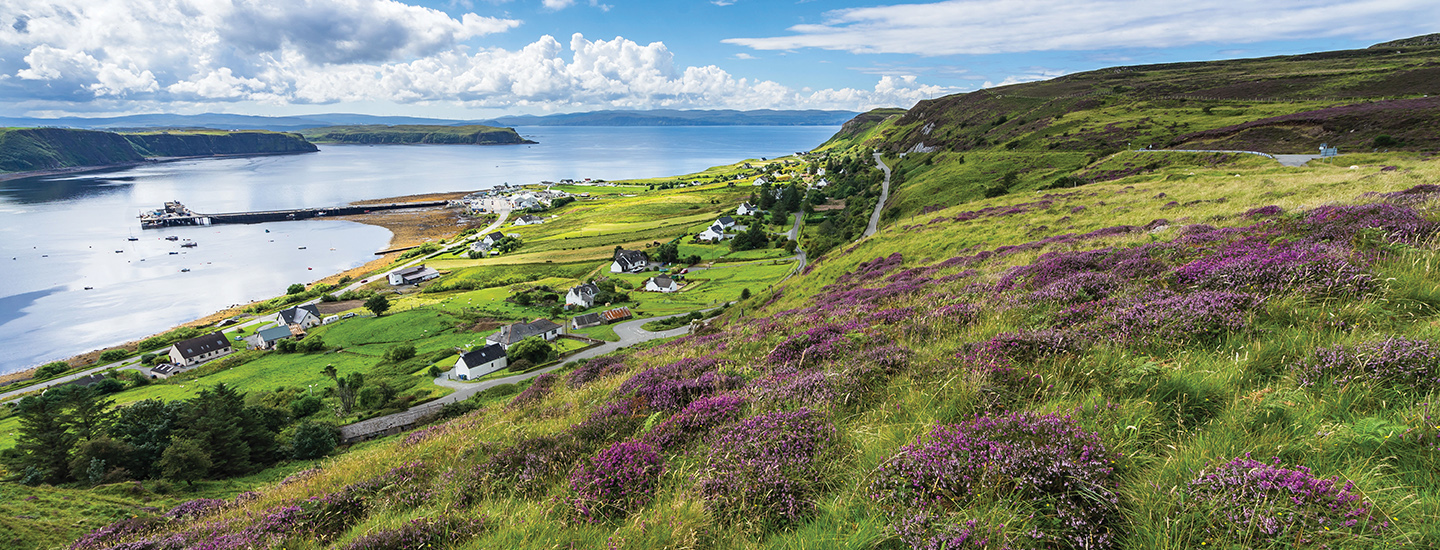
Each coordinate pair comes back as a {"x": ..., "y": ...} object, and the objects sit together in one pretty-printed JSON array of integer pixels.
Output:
[{"x": 994, "y": 379}]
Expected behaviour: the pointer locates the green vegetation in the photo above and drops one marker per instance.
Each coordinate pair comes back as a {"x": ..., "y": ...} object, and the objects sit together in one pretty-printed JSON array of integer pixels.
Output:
[
  {"x": 414, "y": 134},
  {"x": 24, "y": 149}
]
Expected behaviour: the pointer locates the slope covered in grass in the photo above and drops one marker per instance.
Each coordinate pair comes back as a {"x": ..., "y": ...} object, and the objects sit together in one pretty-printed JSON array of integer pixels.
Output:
[
  {"x": 1153, "y": 362},
  {"x": 414, "y": 134}
]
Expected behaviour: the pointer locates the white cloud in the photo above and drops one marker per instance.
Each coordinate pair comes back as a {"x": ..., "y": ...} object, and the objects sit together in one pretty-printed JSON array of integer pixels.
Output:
[
  {"x": 723, "y": 3},
  {"x": 557, "y": 4},
  {"x": 116, "y": 56},
  {"x": 746, "y": 56},
  {"x": 999, "y": 26}
]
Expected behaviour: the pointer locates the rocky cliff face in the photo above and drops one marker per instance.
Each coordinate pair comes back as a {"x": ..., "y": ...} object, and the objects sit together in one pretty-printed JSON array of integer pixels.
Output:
[{"x": 27, "y": 149}]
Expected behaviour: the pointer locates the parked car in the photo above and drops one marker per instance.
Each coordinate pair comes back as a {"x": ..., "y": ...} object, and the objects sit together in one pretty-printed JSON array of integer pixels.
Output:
[{"x": 348, "y": 315}]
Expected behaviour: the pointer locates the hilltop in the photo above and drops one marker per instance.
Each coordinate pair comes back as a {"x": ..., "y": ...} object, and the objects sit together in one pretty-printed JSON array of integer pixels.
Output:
[
  {"x": 415, "y": 134},
  {"x": 1053, "y": 341}
]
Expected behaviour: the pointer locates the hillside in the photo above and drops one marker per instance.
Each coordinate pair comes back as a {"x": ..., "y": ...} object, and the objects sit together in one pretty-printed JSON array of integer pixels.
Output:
[
  {"x": 672, "y": 117},
  {"x": 1075, "y": 346},
  {"x": 415, "y": 134},
  {"x": 26, "y": 149}
]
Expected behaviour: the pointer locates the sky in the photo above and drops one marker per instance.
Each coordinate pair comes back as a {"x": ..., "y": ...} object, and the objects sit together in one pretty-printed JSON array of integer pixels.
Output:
[{"x": 465, "y": 59}]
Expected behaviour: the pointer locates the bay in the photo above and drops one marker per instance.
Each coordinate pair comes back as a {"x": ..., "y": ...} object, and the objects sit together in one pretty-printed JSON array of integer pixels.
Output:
[{"x": 59, "y": 235}]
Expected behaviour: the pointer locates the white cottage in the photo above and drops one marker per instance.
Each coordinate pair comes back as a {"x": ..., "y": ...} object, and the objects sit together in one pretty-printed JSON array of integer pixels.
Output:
[
  {"x": 661, "y": 284},
  {"x": 481, "y": 361},
  {"x": 201, "y": 349}
]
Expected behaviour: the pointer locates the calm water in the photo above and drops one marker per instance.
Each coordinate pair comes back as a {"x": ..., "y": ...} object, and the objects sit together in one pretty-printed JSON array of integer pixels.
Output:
[{"x": 60, "y": 235}]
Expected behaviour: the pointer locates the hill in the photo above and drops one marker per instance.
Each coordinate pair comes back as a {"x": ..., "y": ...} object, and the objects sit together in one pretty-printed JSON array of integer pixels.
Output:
[
  {"x": 1042, "y": 347},
  {"x": 415, "y": 134},
  {"x": 27, "y": 149},
  {"x": 673, "y": 117}
]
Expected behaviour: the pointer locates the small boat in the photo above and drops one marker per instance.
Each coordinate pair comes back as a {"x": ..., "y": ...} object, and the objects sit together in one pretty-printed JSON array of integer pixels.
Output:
[
  {"x": 172, "y": 252},
  {"x": 190, "y": 244},
  {"x": 267, "y": 230},
  {"x": 185, "y": 270},
  {"x": 133, "y": 238},
  {"x": 172, "y": 238},
  {"x": 302, "y": 248},
  {"x": 89, "y": 288},
  {"x": 119, "y": 251}
]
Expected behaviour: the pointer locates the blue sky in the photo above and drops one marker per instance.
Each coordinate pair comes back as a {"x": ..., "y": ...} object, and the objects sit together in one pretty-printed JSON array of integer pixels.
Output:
[{"x": 476, "y": 58}]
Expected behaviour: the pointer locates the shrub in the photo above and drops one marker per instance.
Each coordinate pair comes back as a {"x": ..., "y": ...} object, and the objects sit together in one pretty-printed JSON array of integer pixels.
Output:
[
  {"x": 1048, "y": 461},
  {"x": 541, "y": 387},
  {"x": 593, "y": 370},
  {"x": 314, "y": 440},
  {"x": 441, "y": 532},
  {"x": 113, "y": 355},
  {"x": 197, "y": 508},
  {"x": 611, "y": 422},
  {"x": 1265, "y": 268},
  {"x": 54, "y": 368},
  {"x": 695, "y": 421},
  {"x": 529, "y": 466},
  {"x": 1260, "y": 502},
  {"x": 1164, "y": 317},
  {"x": 1402, "y": 362},
  {"x": 619, "y": 480},
  {"x": 766, "y": 470},
  {"x": 399, "y": 353}
]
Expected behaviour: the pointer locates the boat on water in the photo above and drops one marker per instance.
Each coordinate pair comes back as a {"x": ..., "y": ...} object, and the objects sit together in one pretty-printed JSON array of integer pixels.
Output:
[
  {"x": 89, "y": 288},
  {"x": 172, "y": 238},
  {"x": 190, "y": 244},
  {"x": 302, "y": 248},
  {"x": 172, "y": 252},
  {"x": 185, "y": 270},
  {"x": 133, "y": 238}
]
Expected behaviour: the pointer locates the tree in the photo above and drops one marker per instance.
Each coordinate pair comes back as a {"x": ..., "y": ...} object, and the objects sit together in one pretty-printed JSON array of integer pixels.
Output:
[
  {"x": 313, "y": 440},
  {"x": 87, "y": 414},
  {"x": 44, "y": 438},
  {"x": 767, "y": 197},
  {"x": 507, "y": 245},
  {"x": 744, "y": 294},
  {"x": 311, "y": 344},
  {"x": 48, "y": 370},
  {"x": 669, "y": 252},
  {"x": 398, "y": 353},
  {"x": 305, "y": 406},
  {"x": 534, "y": 349},
  {"x": 185, "y": 460},
  {"x": 146, "y": 427},
  {"x": 377, "y": 304},
  {"x": 346, "y": 387},
  {"x": 218, "y": 423},
  {"x": 294, "y": 289},
  {"x": 434, "y": 371},
  {"x": 779, "y": 216},
  {"x": 98, "y": 457}
]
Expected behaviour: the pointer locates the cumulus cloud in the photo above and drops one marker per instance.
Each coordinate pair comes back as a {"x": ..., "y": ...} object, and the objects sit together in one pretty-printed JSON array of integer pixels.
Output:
[
  {"x": 1002, "y": 26},
  {"x": 119, "y": 55}
]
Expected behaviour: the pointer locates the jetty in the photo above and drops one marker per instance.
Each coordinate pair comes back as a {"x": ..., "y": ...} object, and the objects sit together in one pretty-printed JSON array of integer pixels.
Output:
[{"x": 174, "y": 214}]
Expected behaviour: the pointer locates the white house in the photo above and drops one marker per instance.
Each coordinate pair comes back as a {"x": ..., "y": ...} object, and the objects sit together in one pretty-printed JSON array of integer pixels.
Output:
[
  {"x": 508, "y": 335},
  {"x": 760, "y": 181},
  {"x": 746, "y": 210},
  {"x": 529, "y": 220},
  {"x": 822, "y": 183},
  {"x": 305, "y": 316},
  {"x": 481, "y": 361},
  {"x": 201, "y": 349},
  {"x": 661, "y": 284},
  {"x": 725, "y": 222},
  {"x": 629, "y": 261},
  {"x": 412, "y": 275},
  {"x": 582, "y": 296},
  {"x": 713, "y": 234}
]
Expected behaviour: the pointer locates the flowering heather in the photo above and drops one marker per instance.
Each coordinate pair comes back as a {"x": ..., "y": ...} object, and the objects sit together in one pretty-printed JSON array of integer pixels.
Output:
[
  {"x": 766, "y": 469},
  {"x": 1081, "y": 287},
  {"x": 418, "y": 436},
  {"x": 595, "y": 369},
  {"x": 619, "y": 480},
  {"x": 530, "y": 465},
  {"x": 1402, "y": 362},
  {"x": 870, "y": 271},
  {"x": 812, "y": 387},
  {"x": 1027, "y": 345},
  {"x": 1264, "y": 212},
  {"x": 108, "y": 535},
  {"x": 612, "y": 421},
  {"x": 892, "y": 316},
  {"x": 1166, "y": 317},
  {"x": 421, "y": 533},
  {"x": 402, "y": 487},
  {"x": 193, "y": 509},
  {"x": 695, "y": 422},
  {"x": 538, "y": 390},
  {"x": 672, "y": 387},
  {"x": 1279, "y": 268},
  {"x": 1261, "y": 501},
  {"x": 1045, "y": 460},
  {"x": 817, "y": 344},
  {"x": 1342, "y": 223}
]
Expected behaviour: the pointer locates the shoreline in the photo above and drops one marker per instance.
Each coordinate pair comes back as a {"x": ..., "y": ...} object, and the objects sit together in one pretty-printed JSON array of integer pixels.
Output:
[
  {"x": 7, "y": 176},
  {"x": 407, "y": 228}
]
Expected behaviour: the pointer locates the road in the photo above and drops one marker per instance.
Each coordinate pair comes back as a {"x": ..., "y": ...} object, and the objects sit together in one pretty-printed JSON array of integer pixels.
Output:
[
  {"x": 884, "y": 196},
  {"x": 799, "y": 252},
  {"x": 251, "y": 323},
  {"x": 629, "y": 332},
  {"x": 1285, "y": 160}
]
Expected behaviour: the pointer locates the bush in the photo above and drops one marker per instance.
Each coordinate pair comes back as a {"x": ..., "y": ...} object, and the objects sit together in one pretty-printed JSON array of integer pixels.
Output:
[
  {"x": 766, "y": 470},
  {"x": 441, "y": 532},
  {"x": 1022, "y": 458},
  {"x": 399, "y": 353},
  {"x": 55, "y": 368},
  {"x": 296, "y": 288},
  {"x": 313, "y": 440},
  {"x": 619, "y": 480},
  {"x": 1401, "y": 362},
  {"x": 1279, "y": 507},
  {"x": 541, "y": 387},
  {"x": 114, "y": 355},
  {"x": 695, "y": 422},
  {"x": 305, "y": 406}
]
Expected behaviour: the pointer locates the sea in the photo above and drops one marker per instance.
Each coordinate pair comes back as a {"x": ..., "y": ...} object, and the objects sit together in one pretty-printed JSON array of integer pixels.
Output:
[{"x": 74, "y": 282}]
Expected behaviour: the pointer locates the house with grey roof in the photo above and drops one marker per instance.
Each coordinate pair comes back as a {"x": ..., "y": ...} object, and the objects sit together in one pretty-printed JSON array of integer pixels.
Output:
[
  {"x": 587, "y": 320},
  {"x": 200, "y": 349},
  {"x": 629, "y": 261},
  {"x": 266, "y": 339},
  {"x": 508, "y": 335},
  {"x": 305, "y": 316},
  {"x": 582, "y": 296},
  {"x": 412, "y": 275},
  {"x": 661, "y": 284}
]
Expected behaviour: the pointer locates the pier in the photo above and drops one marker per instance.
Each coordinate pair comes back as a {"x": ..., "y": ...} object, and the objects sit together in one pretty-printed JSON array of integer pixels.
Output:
[{"x": 176, "y": 214}]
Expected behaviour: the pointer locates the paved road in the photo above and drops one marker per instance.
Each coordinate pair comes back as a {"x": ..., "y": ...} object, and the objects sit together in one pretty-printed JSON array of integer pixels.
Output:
[
  {"x": 629, "y": 332},
  {"x": 884, "y": 196},
  {"x": 1295, "y": 160},
  {"x": 799, "y": 252}
]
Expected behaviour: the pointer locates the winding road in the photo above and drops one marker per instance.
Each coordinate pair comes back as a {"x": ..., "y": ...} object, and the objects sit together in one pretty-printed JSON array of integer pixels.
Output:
[{"x": 884, "y": 196}]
